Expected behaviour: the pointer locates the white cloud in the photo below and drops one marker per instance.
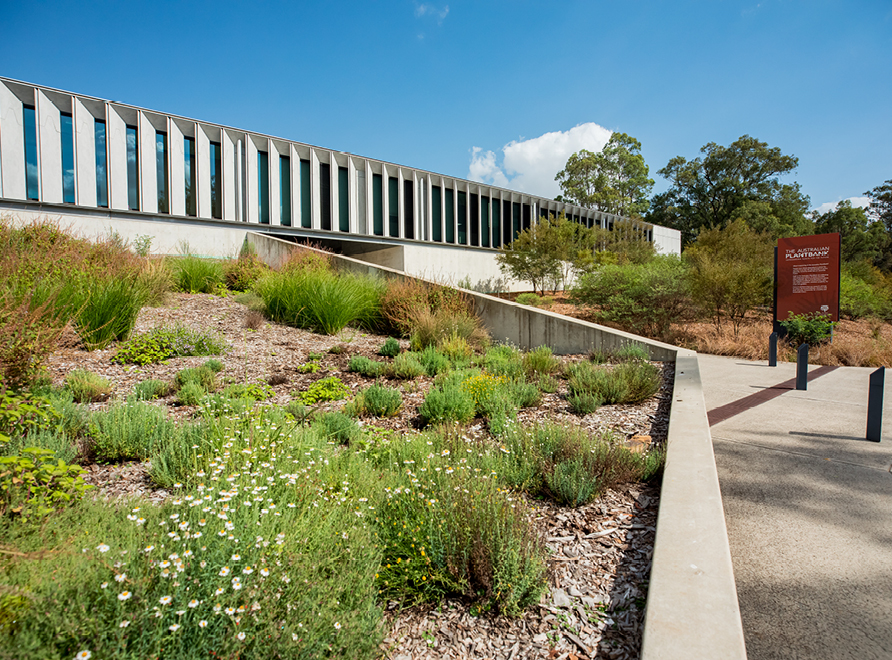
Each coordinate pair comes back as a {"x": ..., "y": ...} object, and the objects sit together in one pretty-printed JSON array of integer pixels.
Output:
[
  {"x": 530, "y": 165},
  {"x": 857, "y": 202},
  {"x": 430, "y": 10}
]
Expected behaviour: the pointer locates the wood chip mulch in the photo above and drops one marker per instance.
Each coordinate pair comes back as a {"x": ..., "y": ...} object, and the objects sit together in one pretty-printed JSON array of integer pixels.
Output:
[{"x": 599, "y": 554}]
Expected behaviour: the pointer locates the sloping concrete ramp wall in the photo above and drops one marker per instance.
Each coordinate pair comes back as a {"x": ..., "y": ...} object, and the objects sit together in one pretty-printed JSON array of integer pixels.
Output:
[{"x": 692, "y": 611}]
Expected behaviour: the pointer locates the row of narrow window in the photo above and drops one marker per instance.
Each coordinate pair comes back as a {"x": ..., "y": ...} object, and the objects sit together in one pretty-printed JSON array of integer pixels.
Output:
[
  {"x": 492, "y": 221},
  {"x": 132, "y": 141}
]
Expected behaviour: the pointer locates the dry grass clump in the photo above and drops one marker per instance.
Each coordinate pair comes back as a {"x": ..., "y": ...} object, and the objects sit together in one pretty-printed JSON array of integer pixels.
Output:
[
  {"x": 863, "y": 343},
  {"x": 301, "y": 260},
  {"x": 51, "y": 278},
  {"x": 254, "y": 319},
  {"x": 407, "y": 303}
]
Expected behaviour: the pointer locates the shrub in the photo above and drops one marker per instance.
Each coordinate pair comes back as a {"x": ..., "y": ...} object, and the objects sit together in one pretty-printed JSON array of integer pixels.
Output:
[
  {"x": 527, "y": 299},
  {"x": 570, "y": 482},
  {"x": 190, "y": 394},
  {"x": 308, "y": 368},
  {"x": 151, "y": 389},
  {"x": 257, "y": 391},
  {"x": 533, "y": 300},
  {"x": 599, "y": 356},
  {"x": 632, "y": 353},
  {"x": 642, "y": 380},
  {"x": 435, "y": 328},
  {"x": 523, "y": 394},
  {"x": 567, "y": 464},
  {"x": 300, "y": 260},
  {"x": 254, "y": 319},
  {"x": 406, "y": 301},
  {"x": 471, "y": 540},
  {"x": 161, "y": 344},
  {"x": 859, "y": 298},
  {"x": 62, "y": 443},
  {"x": 583, "y": 378},
  {"x": 583, "y": 402},
  {"x": 201, "y": 376},
  {"x": 447, "y": 403},
  {"x": 492, "y": 400},
  {"x": 642, "y": 298},
  {"x": 811, "y": 329},
  {"x": 326, "y": 389},
  {"x": 456, "y": 348},
  {"x": 730, "y": 271},
  {"x": 297, "y": 410},
  {"x": 339, "y": 427},
  {"x": 30, "y": 329},
  {"x": 548, "y": 384},
  {"x": 482, "y": 387},
  {"x": 241, "y": 274},
  {"x": 320, "y": 300},
  {"x": 377, "y": 401},
  {"x": 35, "y": 484},
  {"x": 406, "y": 366},
  {"x": 214, "y": 365},
  {"x": 22, "y": 411},
  {"x": 85, "y": 386},
  {"x": 365, "y": 366},
  {"x": 540, "y": 361},
  {"x": 504, "y": 360},
  {"x": 390, "y": 348},
  {"x": 195, "y": 275},
  {"x": 433, "y": 361},
  {"x": 130, "y": 430}
]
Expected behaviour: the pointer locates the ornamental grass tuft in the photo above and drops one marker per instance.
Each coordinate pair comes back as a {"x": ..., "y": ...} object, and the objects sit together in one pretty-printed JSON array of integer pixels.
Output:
[{"x": 321, "y": 300}]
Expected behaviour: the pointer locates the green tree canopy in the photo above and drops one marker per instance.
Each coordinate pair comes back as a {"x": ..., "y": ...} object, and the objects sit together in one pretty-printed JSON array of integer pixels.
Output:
[
  {"x": 730, "y": 270},
  {"x": 860, "y": 238},
  {"x": 625, "y": 243},
  {"x": 881, "y": 203},
  {"x": 709, "y": 191},
  {"x": 614, "y": 180},
  {"x": 548, "y": 253}
]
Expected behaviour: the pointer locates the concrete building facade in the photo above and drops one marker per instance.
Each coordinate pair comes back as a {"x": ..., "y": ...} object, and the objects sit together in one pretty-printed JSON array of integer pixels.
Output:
[{"x": 101, "y": 163}]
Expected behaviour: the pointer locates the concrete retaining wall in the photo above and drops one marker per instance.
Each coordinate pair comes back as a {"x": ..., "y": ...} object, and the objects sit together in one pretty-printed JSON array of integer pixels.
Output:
[
  {"x": 523, "y": 326},
  {"x": 692, "y": 609}
]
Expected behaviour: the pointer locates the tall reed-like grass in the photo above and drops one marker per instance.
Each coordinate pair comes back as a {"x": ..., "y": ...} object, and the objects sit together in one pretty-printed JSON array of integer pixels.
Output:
[
  {"x": 110, "y": 310},
  {"x": 320, "y": 300},
  {"x": 195, "y": 275}
]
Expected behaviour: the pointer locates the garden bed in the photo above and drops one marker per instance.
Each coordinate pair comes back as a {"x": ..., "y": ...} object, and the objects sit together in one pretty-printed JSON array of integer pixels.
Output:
[{"x": 597, "y": 554}]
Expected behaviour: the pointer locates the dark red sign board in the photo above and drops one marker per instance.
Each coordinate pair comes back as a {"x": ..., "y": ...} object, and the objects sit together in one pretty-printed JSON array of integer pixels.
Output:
[{"x": 808, "y": 276}]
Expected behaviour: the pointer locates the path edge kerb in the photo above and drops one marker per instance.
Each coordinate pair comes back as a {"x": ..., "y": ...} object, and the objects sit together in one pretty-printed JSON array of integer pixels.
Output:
[{"x": 692, "y": 609}]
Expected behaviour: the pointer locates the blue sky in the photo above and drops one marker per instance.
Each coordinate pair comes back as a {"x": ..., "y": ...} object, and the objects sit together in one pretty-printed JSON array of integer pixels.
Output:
[{"x": 499, "y": 91}]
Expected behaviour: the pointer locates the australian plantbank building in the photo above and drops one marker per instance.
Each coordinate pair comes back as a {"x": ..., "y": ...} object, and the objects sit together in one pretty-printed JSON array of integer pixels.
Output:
[{"x": 102, "y": 166}]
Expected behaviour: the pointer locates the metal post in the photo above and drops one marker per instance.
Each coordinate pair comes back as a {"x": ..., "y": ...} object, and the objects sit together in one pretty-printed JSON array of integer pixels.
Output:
[
  {"x": 772, "y": 349},
  {"x": 875, "y": 405},
  {"x": 802, "y": 367}
]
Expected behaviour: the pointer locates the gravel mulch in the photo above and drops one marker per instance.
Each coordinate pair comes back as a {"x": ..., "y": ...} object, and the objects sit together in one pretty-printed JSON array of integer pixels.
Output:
[{"x": 599, "y": 554}]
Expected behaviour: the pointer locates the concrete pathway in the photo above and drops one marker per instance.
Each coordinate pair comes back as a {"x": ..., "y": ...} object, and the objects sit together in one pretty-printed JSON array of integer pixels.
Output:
[{"x": 808, "y": 505}]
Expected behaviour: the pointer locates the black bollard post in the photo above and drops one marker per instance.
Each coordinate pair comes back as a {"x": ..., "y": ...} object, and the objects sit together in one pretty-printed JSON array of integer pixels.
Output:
[
  {"x": 875, "y": 405},
  {"x": 772, "y": 349},
  {"x": 802, "y": 367}
]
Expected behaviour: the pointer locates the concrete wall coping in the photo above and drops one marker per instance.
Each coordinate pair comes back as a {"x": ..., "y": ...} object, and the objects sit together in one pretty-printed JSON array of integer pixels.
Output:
[{"x": 692, "y": 609}]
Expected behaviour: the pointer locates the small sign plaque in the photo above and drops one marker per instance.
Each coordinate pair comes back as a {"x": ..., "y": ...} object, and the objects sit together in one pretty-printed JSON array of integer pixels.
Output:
[{"x": 808, "y": 276}]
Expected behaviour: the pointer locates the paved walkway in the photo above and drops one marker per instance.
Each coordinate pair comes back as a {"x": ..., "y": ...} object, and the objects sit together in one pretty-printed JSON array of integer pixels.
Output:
[{"x": 808, "y": 505}]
